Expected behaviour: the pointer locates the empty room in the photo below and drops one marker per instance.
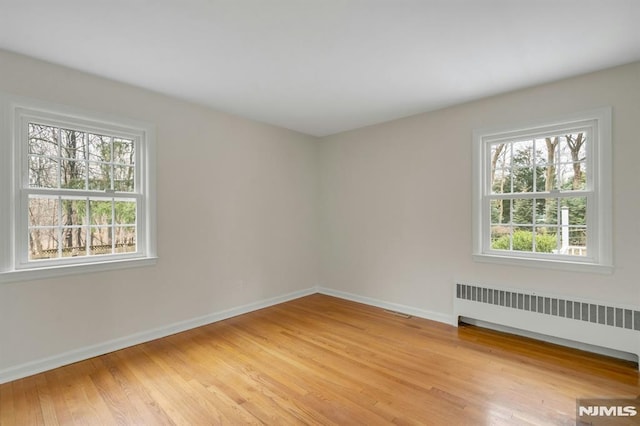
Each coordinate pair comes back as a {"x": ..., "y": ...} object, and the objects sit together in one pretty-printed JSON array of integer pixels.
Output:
[{"x": 319, "y": 212}]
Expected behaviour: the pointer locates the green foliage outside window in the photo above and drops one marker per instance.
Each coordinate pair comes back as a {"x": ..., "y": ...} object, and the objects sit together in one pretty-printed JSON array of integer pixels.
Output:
[{"x": 523, "y": 241}]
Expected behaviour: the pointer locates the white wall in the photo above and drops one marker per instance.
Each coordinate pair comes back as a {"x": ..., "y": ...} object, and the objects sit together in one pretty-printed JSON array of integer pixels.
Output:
[
  {"x": 396, "y": 199},
  {"x": 237, "y": 222}
]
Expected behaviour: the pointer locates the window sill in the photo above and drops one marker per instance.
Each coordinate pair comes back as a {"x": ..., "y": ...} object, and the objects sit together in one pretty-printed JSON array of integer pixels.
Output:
[
  {"x": 64, "y": 270},
  {"x": 545, "y": 264}
]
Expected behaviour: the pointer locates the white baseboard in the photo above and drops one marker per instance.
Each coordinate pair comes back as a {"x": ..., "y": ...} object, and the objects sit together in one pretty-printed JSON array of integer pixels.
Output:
[
  {"x": 49, "y": 363},
  {"x": 421, "y": 313}
]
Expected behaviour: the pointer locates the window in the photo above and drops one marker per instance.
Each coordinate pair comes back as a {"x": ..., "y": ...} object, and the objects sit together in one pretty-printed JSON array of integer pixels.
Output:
[
  {"x": 78, "y": 194},
  {"x": 542, "y": 193}
]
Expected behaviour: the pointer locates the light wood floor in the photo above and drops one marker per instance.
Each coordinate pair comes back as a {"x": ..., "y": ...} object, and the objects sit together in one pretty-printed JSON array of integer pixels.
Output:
[{"x": 322, "y": 360}]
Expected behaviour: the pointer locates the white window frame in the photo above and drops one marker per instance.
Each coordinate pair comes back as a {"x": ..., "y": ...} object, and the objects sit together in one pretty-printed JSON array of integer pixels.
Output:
[
  {"x": 16, "y": 113},
  {"x": 598, "y": 191}
]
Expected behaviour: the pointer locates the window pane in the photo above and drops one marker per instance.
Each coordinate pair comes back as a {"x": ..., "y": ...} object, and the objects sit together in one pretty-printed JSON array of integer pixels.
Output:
[
  {"x": 101, "y": 240},
  {"x": 73, "y": 212},
  {"x": 578, "y": 241},
  {"x": 123, "y": 151},
  {"x": 74, "y": 174},
  {"x": 99, "y": 148},
  {"x": 43, "y": 140},
  {"x": 500, "y": 168},
  {"x": 522, "y": 151},
  {"x": 545, "y": 180},
  {"x": 523, "y": 239},
  {"x": 43, "y": 243},
  {"x": 501, "y": 181},
  {"x": 73, "y": 145},
  {"x": 546, "y": 150},
  {"x": 501, "y": 237},
  {"x": 546, "y": 163},
  {"x": 547, "y": 211},
  {"x": 572, "y": 162},
  {"x": 125, "y": 239},
  {"x": 573, "y": 217},
  {"x": 546, "y": 239},
  {"x": 43, "y": 211},
  {"x": 123, "y": 178},
  {"x": 573, "y": 147},
  {"x": 572, "y": 176},
  {"x": 573, "y": 210},
  {"x": 125, "y": 212},
  {"x": 500, "y": 211},
  {"x": 522, "y": 211},
  {"x": 74, "y": 241},
  {"x": 101, "y": 212},
  {"x": 573, "y": 241},
  {"x": 530, "y": 172},
  {"x": 99, "y": 176},
  {"x": 43, "y": 172}
]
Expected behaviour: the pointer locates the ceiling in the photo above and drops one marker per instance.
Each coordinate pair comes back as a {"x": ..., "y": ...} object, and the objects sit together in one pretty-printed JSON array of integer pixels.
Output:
[{"x": 326, "y": 66}]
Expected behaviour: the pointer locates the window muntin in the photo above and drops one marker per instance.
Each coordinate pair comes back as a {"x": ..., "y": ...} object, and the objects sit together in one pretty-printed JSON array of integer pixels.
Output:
[{"x": 542, "y": 193}]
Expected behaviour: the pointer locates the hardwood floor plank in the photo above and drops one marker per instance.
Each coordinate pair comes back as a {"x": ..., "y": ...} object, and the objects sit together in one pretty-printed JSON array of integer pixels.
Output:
[
  {"x": 116, "y": 400},
  {"x": 120, "y": 365},
  {"x": 81, "y": 397},
  {"x": 7, "y": 402},
  {"x": 47, "y": 399},
  {"x": 26, "y": 402},
  {"x": 166, "y": 388},
  {"x": 322, "y": 360}
]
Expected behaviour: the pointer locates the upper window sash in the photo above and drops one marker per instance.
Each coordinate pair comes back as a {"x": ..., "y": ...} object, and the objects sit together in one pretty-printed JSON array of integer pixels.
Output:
[{"x": 588, "y": 127}]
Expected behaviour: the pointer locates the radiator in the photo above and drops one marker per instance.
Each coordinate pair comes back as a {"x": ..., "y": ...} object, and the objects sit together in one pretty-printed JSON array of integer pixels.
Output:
[{"x": 577, "y": 320}]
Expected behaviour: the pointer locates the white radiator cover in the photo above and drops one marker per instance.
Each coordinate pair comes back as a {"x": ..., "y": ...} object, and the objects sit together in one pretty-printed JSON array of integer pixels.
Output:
[{"x": 579, "y": 320}]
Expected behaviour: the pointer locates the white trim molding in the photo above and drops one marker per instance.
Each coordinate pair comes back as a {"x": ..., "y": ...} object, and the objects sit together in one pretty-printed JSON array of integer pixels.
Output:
[
  {"x": 597, "y": 192},
  {"x": 17, "y": 115}
]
